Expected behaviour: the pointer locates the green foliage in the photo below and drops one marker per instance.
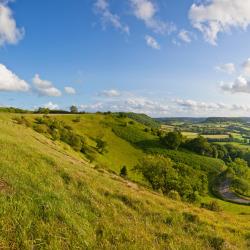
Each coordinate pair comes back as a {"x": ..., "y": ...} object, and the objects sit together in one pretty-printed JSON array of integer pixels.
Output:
[
  {"x": 124, "y": 171},
  {"x": 22, "y": 120},
  {"x": 173, "y": 194},
  {"x": 172, "y": 140},
  {"x": 73, "y": 109},
  {"x": 101, "y": 145},
  {"x": 213, "y": 206},
  {"x": 77, "y": 119},
  {"x": 58, "y": 130},
  {"x": 199, "y": 145},
  {"x": 144, "y": 119},
  {"x": 207, "y": 164},
  {"x": 239, "y": 173},
  {"x": 43, "y": 111},
  {"x": 165, "y": 175}
]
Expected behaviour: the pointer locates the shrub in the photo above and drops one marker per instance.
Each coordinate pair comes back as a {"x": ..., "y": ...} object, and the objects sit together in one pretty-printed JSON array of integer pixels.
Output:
[
  {"x": 77, "y": 119},
  {"x": 40, "y": 128},
  {"x": 167, "y": 176},
  {"x": 216, "y": 243},
  {"x": 173, "y": 194},
  {"x": 172, "y": 140},
  {"x": 213, "y": 206},
  {"x": 191, "y": 217},
  {"x": 123, "y": 172}
]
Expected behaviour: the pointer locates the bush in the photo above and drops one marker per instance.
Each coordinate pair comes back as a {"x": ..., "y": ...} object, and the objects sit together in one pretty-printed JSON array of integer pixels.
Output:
[
  {"x": 213, "y": 206},
  {"x": 124, "y": 172},
  {"x": 172, "y": 140},
  {"x": 167, "y": 176},
  {"x": 173, "y": 194},
  {"x": 77, "y": 119}
]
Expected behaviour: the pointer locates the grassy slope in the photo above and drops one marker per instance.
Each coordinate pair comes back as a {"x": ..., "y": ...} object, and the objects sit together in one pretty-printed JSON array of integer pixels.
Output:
[{"x": 51, "y": 198}]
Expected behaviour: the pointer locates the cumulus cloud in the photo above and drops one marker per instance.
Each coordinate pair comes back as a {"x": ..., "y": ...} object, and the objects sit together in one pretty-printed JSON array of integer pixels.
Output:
[
  {"x": 110, "y": 93},
  {"x": 228, "y": 68},
  {"x": 246, "y": 67},
  {"x": 129, "y": 103},
  {"x": 9, "y": 33},
  {"x": 216, "y": 16},
  {"x": 11, "y": 82},
  {"x": 108, "y": 18},
  {"x": 69, "y": 90},
  {"x": 151, "y": 42},
  {"x": 146, "y": 10},
  {"x": 185, "y": 36},
  {"x": 51, "y": 106},
  {"x": 192, "y": 105},
  {"x": 44, "y": 87},
  {"x": 240, "y": 85}
]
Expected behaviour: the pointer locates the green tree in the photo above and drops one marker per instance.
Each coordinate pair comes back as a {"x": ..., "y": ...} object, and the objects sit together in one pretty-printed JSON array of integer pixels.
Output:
[
  {"x": 101, "y": 145},
  {"x": 124, "y": 171},
  {"x": 199, "y": 145},
  {"x": 173, "y": 140},
  {"x": 73, "y": 109}
]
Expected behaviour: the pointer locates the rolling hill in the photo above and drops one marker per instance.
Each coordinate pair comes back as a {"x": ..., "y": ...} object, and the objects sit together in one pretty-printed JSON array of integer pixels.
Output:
[{"x": 54, "y": 197}]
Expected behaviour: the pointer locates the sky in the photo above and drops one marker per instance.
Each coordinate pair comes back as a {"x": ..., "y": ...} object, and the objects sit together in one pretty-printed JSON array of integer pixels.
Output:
[{"x": 159, "y": 57}]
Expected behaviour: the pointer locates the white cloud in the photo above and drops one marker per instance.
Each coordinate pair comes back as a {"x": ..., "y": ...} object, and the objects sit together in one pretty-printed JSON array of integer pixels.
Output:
[
  {"x": 240, "y": 85},
  {"x": 129, "y": 103},
  {"x": 192, "y": 105},
  {"x": 151, "y": 42},
  {"x": 110, "y": 93},
  {"x": 69, "y": 90},
  {"x": 185, "y": 36},
  {"x": 9, "y": 33},
  {"x": 228, "y": 68},
  {"x": 103, "y": 9},
  {"x": 216, "y": 16},
  {"x": 11, "y": 82},
  {"x": 246, "y": 67},
  {"x": 51, "y": 106},
  {"x": 194, "y": 108},
  {"x": 44, "y": 87},
  {"x": 146, "y": 10}
]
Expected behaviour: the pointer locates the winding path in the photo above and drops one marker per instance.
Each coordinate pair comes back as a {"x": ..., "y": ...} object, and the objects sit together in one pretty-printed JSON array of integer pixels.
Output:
[{"x": 228, "y": 195}]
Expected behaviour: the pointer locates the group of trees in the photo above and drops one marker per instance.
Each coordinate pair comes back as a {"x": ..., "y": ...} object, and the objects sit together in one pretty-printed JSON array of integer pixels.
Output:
[
  {"x": 238, "y": 173},
  {"x": 58, "y": 130},
  {"x": 42, "y": 110},
  {"x": 200, "y": 145},
  {"x": 168, "y": 177}
]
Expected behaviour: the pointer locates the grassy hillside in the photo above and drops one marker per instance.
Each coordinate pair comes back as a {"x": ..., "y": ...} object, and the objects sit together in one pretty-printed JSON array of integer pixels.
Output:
[{"x": 53, "y": 198}]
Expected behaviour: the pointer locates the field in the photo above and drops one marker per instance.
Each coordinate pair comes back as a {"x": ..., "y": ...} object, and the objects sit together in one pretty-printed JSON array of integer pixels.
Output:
[{"x": 52, "y": 197}]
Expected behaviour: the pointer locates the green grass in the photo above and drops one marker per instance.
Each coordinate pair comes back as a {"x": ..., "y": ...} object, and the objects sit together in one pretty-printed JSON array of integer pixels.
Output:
[
  {"x": 216, "y": 136},
  {"x": 52, "y": 198},
  {"x": 190, "y": 135}
]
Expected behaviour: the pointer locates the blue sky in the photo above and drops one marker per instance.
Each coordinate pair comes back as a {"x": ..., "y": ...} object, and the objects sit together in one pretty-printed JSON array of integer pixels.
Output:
[{"x": 163, "y": 58}]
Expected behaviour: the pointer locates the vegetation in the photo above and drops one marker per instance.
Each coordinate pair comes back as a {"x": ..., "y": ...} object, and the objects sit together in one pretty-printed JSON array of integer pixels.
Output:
[
  {"x": 52, "y": 197},
  {"x": 164, "y": 175}
]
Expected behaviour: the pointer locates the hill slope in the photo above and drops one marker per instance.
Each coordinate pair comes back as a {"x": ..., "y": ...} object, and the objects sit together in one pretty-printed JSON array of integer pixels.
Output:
[{"x": 52, "y": 198}]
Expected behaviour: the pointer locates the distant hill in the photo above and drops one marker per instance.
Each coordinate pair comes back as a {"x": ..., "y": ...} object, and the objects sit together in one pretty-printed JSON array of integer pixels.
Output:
[
  {"x": 227, "y": 119},
  {"x": 181, "y": 119},
  {"x": 144, "y": 119}
]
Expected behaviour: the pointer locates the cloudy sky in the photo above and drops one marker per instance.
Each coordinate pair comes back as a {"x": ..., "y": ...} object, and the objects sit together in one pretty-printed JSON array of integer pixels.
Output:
[{"x": 163, "y": 58}]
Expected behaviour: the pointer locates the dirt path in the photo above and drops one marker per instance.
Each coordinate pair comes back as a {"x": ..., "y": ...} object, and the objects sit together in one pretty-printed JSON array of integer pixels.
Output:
[{"x": 228, "y": 195}]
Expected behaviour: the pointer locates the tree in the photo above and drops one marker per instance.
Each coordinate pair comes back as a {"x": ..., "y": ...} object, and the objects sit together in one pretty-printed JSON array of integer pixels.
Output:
[
  {"x": 199, "y": 145},
  {"x": 101, "y": 145},
  {"x": 123, "y": 172},
  {"x": 73, "y": 109},
  {"x": 43, "y": 110},
  {"x": 173, "y": 140}
]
